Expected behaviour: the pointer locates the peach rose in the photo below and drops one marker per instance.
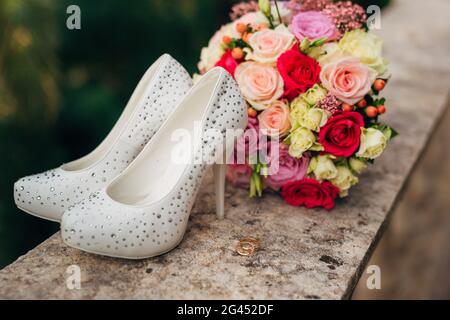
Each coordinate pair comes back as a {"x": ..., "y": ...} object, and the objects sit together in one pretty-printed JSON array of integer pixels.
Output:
[
  {"x": 269, "y": 44},
  {"x": 260, "y": 84},
  {"x": 347, "y": 79},
  {"x": 274, "y": 121}
]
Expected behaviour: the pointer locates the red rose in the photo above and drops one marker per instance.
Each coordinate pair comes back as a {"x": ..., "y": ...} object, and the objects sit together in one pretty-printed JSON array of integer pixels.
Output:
[
  {"x": 310, "y": 193},
  {"x": 298, "y": 71},
  {"x": 227, "y": 62},
  {"x": 341, "y": 135}
]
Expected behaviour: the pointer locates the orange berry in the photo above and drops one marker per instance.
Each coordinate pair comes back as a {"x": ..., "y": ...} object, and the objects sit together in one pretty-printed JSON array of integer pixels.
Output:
[
  {"x": 237, "y": 53},
  {"x": 381, "y": 109},
  {"x": 362, "y": 104},
  {"x": 379, "y": 84},
  {"x": 346, "y": 107},
  {"x": 227, "y": 40},
  {"x": 371, "y": 111},
  {"x": 251, "y": 112},
  {"x": 246, "y": 36},
  {"x": 241, "y": 27}
]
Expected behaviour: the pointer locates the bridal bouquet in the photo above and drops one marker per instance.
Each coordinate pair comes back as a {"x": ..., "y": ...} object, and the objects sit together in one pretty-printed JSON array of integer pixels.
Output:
[{"x": 312, "y": 74}]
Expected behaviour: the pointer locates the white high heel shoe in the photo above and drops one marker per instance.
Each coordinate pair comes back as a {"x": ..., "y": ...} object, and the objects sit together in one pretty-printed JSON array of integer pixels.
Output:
[
  {"x": 49, "y": 194},
  {"x": 144, "y": 211}
]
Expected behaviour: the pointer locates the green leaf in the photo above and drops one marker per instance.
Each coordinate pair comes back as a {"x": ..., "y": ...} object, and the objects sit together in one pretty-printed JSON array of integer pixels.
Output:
[
  {"x": 312, "y": 165},
  {"x": 388, "y": 132},
  {"x": 342, "y": 162},
  {"x": 394, "y": 133},
  {"x": 287, "y": 140},
  {"x": 241, "y": 43},
  {"x": 319, "y": 42},
  {"x": 238, "y": 43},
  {"x": 378, "y": 102}
]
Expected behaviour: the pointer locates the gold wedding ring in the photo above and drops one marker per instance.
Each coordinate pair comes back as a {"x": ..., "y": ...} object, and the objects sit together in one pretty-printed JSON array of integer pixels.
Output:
[{"x": 248, "y": 246}]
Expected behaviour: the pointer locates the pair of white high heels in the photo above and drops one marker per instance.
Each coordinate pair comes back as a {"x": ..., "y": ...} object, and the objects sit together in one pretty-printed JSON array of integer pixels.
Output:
[{"x": 131, "y": 197}]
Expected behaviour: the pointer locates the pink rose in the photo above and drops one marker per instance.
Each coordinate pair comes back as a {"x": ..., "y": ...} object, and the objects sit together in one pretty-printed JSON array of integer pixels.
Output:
[
  {"x": 239, "y": 175},
  {"x": 275, "y": 119},
  {"x": 260, "y": 84},
  {"x": 347, "y": 79},
  {"x": 313, "y": 25},
  {"x": 269, "y": 44},
  {"x": 287, "y": 169}
]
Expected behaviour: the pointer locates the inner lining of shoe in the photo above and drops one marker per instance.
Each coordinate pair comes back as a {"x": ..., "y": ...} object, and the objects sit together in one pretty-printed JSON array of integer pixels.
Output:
[{"x": 158, "y": 168}]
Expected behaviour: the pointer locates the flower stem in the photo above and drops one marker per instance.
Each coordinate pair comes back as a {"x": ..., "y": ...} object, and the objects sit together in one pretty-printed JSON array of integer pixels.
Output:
[
  {"x": 278, "y": 11},
  {"x": 272, "y": 26},
  {"x": 252, "y": 192}
]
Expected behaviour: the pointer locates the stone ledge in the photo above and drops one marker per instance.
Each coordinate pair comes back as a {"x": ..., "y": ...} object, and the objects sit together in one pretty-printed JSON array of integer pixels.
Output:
[{"x": 305, "y": 254}]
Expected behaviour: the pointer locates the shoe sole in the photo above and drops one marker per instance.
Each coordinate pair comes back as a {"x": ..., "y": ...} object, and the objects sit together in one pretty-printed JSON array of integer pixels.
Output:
[
  {"x": 99, "y": 253},
  {"x": 37, "y": 215},
  {"x": 123, "y": 257}
]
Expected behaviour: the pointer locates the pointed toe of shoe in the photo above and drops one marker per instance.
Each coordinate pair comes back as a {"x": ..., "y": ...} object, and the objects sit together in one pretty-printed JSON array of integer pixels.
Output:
[
  {"x": 31, "y": 197},
  {"x": 87, "y": 226},
  {"x": 78, "y": 230},
  {"x": 72, "y": 231},
  {"x": 101, "y": 226}
]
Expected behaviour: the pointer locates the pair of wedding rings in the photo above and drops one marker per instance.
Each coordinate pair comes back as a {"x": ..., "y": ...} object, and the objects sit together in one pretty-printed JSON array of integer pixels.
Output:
[{"x": 248, "y": 246}]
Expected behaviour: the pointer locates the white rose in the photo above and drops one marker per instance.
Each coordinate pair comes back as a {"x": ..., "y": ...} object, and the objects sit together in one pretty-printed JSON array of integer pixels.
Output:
[
  {"x": 301, "y": 140},
  {"x": 304, "y": 116},
  {"x": 298, "y": 109},
  {"x": 373, "y": 143},
  {"x": 367, "y": 47},
  {"x": 323, "y": 168},
  {"x": 344, "y": 180},
  {"x": 314, "y": 119},
  {"x": 314, "y": 95},
  {"x": 357, "y": 165}
]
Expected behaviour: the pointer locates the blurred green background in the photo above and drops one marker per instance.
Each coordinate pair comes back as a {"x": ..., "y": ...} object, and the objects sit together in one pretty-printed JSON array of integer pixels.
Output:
[{"x": 62, "y": 90}]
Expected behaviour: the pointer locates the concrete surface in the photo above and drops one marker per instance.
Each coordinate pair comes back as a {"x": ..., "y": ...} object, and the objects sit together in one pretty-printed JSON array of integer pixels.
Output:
[{"x": 305, "y": 254}]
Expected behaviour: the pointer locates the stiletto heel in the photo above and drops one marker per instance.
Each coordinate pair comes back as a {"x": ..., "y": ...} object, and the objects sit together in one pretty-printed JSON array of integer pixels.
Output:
[
  {"x": 219, "y": 173},
  {"x": 219, "y": 187}
]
